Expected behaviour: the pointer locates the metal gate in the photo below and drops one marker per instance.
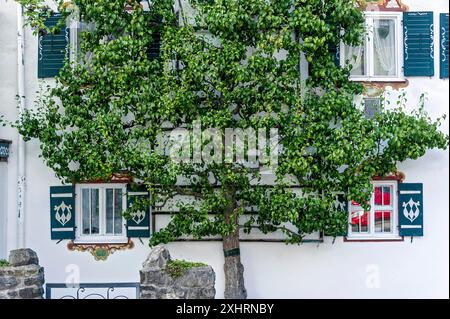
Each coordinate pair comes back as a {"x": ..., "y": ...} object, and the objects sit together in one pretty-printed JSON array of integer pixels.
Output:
[{"x": 92, "y": 291}]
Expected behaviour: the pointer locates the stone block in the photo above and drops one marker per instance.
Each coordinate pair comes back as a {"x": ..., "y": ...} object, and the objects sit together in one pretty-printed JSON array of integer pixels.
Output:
[
  {"x": 23, "y": 257},
  {"x": 8, "y": 282},
  {"x": 157, "y": 283}
]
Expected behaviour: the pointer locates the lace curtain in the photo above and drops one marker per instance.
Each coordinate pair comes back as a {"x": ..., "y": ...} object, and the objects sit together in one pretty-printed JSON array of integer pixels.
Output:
[
  {"x": 384, "y": 47},
  {"x": 354, "y": 56}
]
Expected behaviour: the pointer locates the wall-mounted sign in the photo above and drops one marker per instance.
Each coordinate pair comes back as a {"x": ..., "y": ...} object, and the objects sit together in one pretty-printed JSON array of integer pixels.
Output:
[{"x": 4, "y": 149}]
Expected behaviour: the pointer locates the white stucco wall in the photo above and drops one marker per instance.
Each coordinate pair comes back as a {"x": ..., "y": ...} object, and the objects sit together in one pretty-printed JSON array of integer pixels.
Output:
[{"x": 272, "y": 270}]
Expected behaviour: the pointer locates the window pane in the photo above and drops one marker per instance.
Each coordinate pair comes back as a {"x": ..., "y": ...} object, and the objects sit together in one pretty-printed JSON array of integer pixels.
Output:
[
  {"x": 109, "y": 211},
  {"x": 118, "y": 211},
  {"x": 95, "y": 212},
  {"x": 378, "y": 196},
  {"x": 378, "y": 222},
  {"x": 360, "y": 222},
  {"x": 85, "y": 211},
  {"x": 385, "y": 62},
  {"x": 372, "y": 106},
  {"x": 365, "y": 222},
  {"x": 387, "y": 222},
  {"x": 355, "y": 56},
  {"x": 387, "y": 192},
  {"x": 355, "y": 222}
]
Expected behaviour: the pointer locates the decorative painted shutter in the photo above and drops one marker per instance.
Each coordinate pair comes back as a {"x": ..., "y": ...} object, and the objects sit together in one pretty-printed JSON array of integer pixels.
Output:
[
  {"x": 4, "y": 150},
  {"x": 410, "y": 209},
  {"x": 154, "y": 50},
  {"x": 443, "y": 54},
  {"x": 341, "y": 206},
  {"x": 53, "y": 49},
  {"x": 155, "y": 47},
  {"x": 62, "y": 212},
  {"x": 335, "y": 51},
  {"x": 418, "y": 51},
  {"x": 139, "y": 223}
]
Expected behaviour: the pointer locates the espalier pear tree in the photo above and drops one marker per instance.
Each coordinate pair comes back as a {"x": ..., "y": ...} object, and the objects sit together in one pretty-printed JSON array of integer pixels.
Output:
[{"x": 229, "y": 74}]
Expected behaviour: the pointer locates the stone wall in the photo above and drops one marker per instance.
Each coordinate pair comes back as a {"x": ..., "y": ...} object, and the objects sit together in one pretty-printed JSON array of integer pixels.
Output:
[
  {"x": 23, "y": 278},
  {"x": 157, "y": 282}
]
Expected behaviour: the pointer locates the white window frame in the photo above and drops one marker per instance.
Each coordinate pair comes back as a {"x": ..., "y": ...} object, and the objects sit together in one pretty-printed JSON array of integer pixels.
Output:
[
  {"x": 372, "y": 235},
  {"x": 74, "y": 49},
  {"x": 100, "y": 238},
  {"x": 369, "y": 49}
]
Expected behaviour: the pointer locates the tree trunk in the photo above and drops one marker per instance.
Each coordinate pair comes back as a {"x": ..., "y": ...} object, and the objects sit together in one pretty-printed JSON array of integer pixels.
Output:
[{"x": 234, "y": 270}]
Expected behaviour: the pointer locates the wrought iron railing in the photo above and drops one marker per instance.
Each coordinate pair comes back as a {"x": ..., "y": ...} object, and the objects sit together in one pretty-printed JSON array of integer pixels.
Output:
[{"x": 91, "y": 291}]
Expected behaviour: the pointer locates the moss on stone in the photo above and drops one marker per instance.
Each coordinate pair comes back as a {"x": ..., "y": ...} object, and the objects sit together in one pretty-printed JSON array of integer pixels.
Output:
[
  {"x": 4, "y": 263},
  {"x": 177, "y": 268}
]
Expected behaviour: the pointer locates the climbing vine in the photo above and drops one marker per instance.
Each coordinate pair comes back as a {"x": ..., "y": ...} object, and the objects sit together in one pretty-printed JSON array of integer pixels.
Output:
[{"x": 228, "y": 64}]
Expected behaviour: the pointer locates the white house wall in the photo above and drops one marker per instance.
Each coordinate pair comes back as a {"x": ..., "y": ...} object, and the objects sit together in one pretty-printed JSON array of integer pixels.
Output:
[{"x": 272, "y": 270}]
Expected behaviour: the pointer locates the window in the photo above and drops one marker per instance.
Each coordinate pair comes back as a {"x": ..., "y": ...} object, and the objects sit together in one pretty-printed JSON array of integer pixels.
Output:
[
  {"x": 76, "y": 30},
  {"x": 381, "y": 221},
  {"x": 379, "y": 57},
  {"x": 372, "y": 106},
  {"x": 100, "y": 208}
]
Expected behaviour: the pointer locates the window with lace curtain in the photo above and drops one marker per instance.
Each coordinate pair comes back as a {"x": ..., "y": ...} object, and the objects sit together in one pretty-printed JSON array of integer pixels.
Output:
[
  {"x": 379, "y": 57},
  {"x": 100, "y": 208}
]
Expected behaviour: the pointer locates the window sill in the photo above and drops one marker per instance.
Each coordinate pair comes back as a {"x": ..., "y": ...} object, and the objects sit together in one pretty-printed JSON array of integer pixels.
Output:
[
  {"x": 383, "y": 84},
  {"x": 379, "y": 80},
  {"x": 373, "y": 239},
  {"x": 93, "y": 241}
]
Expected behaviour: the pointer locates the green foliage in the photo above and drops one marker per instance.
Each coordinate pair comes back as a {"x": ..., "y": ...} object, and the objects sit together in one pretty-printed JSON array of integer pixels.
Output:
[
  {"x": 37, "y": 11},
  {"x": 4, "y": 263},
  {"x": 177, "y": 268},
  {"x": 105, "y": 113}
]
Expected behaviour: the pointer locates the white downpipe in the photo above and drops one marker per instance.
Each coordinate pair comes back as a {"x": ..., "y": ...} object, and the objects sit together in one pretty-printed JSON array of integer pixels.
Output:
[{"x": 21, "y": 243}]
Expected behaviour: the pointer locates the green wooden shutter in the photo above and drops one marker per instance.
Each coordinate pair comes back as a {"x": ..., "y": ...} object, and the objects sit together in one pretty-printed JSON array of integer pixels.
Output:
[
  {"x": 335, "y": 51},
  {"x": 62, "y": 212},
  {"x": 154, "y": 50},
  {"x": 418, "y": 50},
  {"x": 341, "y": 207},
  {"x": 52, "y": 50},
  {"x": 155, "y": 47},
  {"x": 4, "y": 150},
  {"x": 139, "y": 223},
  {"x": 443, "y": 54},
  {"x": 410, "y": 209}
]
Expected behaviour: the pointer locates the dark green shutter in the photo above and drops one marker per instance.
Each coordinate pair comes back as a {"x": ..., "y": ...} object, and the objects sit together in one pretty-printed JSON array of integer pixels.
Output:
[
  {"x": 443, "y": 54},
  {"x": 52, "y": 50},
  {"x": 138, "y": 225},
  {"x": 335, "y": 52},
  {"x": 155, "y": 47},
  {"x": 341, "y": 207},
  {"x": 418, "y": 47},
  {"x": 62, "y": 212},
  {"x": 154, "y": 50},
  {"x": 4, "y": 149},
  {"x": 410, "y": 209}
]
